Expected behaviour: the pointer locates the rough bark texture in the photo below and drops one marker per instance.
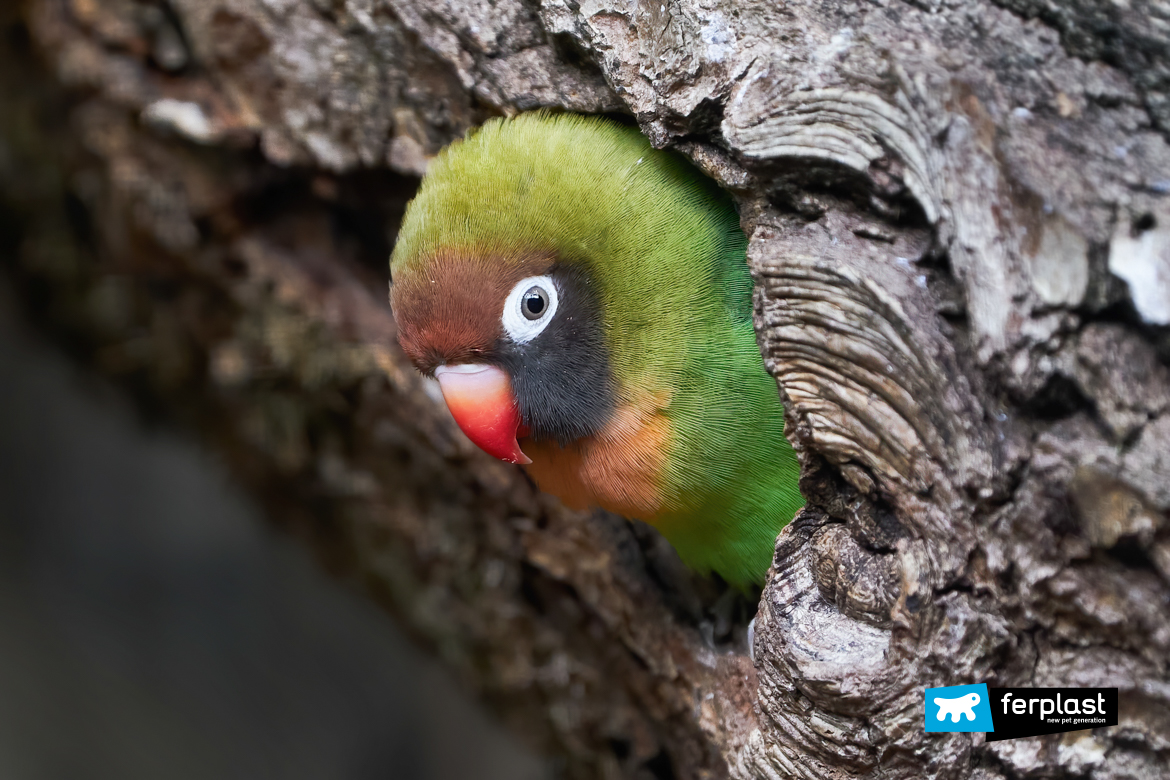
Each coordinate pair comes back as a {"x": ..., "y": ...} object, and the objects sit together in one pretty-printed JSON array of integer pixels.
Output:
[{"x": 960, "y": 233}]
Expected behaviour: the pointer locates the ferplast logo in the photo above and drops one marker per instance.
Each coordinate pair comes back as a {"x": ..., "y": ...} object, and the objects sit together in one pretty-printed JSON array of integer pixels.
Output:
[
  {"x": 1009, "y": 713},
  {"x": 1030, "y": 712},
  {"x": 959, "y": 708}
]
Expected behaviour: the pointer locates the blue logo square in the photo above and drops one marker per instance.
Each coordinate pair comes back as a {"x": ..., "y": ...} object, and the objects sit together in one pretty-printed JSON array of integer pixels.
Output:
[{"x": 958, "y": 708}]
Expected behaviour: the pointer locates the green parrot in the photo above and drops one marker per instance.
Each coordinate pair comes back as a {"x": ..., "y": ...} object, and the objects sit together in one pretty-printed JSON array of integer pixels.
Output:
[{"x": 584, "y": 302}]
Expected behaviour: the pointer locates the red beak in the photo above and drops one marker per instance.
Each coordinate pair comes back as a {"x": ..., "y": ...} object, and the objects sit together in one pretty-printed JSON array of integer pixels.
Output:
[{"x": 481, "y": 401}]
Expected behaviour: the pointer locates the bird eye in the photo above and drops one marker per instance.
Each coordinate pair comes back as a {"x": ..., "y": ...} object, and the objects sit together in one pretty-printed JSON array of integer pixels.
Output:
[
  {"x": 529, "y": 308},
  {"x": 534, "y": 303}
]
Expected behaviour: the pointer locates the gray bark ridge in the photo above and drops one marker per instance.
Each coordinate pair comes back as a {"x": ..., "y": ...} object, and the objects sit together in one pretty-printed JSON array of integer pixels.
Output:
[{"x": 960, "y": 236}]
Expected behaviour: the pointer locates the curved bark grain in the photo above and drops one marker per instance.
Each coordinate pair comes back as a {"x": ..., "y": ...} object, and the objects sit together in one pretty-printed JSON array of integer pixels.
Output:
[{"x": 960, "y": 235}]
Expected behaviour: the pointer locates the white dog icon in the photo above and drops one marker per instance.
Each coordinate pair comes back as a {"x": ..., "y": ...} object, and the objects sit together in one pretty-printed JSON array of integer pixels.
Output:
[{"x": 963, "y": 705}]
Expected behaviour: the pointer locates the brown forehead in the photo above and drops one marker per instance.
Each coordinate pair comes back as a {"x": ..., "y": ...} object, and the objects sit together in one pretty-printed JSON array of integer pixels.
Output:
[{"x": 448, "y": 308}]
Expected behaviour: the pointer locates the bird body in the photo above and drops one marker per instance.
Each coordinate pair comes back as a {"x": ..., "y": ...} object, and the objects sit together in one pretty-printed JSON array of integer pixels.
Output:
[{"x": 584, "y": 301}]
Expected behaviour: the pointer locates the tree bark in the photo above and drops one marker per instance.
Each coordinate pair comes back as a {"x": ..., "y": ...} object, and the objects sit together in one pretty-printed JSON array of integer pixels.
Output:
[{"x": 960, "y": 235}]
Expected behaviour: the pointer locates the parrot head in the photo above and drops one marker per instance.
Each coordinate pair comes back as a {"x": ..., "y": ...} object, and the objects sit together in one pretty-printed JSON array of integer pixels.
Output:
[{"x": 515, "y": 342}]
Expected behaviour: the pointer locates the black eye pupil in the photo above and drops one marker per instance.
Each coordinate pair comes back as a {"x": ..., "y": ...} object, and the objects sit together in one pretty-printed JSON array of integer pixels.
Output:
[{"x": 534, "y": 303}]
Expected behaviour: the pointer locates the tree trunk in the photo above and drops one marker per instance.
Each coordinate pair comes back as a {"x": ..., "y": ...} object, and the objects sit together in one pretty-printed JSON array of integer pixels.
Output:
[{"x": 960, "y": 235}]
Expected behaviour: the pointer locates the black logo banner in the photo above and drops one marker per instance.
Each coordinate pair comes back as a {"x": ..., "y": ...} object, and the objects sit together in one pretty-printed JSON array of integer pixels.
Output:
[{"x": 1030, "y": 712}]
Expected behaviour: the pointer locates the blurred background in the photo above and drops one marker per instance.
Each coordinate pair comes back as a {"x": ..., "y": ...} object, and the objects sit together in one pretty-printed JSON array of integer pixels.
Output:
[{"x": 151, "y": 626}]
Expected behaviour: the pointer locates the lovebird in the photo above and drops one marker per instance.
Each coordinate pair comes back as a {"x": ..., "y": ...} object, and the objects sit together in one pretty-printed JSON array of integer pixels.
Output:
[{"x": 584, "y": 302}]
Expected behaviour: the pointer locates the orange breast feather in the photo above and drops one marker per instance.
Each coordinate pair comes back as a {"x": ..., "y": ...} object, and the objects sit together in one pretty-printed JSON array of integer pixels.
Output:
[{"x": 619, "y": 469}]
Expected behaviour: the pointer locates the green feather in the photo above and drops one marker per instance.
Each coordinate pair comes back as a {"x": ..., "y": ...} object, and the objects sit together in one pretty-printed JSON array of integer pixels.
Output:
[{"x": 664, "y": 247}]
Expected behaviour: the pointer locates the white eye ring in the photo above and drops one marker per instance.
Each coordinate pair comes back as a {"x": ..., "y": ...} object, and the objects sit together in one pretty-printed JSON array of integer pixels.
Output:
[{"x": 519, "y": 327}]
